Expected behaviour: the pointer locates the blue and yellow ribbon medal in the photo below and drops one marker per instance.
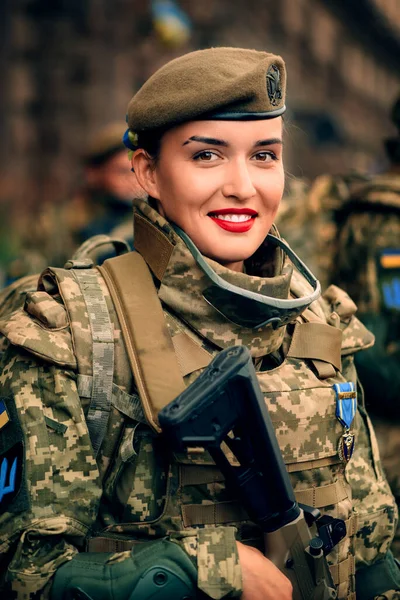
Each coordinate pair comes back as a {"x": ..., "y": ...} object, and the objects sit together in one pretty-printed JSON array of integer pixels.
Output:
[{"x": 346, "y": 407}]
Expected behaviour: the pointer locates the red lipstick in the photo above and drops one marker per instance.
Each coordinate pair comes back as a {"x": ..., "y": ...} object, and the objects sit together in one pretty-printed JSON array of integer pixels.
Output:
[{"x": 234, "y": 226}]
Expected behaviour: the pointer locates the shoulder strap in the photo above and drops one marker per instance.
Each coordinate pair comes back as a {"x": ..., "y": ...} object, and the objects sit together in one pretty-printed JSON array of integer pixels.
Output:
[
  {"x": 147, "y": 339},
  {"x": 102, "y": 355},
  {"x": 93, "y": 244}
]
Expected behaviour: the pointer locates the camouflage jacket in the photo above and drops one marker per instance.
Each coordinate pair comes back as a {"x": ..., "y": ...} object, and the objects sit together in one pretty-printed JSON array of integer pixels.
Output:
[
  {"x": 368, "y": 268},
  {"x": 64, "y": 499}
]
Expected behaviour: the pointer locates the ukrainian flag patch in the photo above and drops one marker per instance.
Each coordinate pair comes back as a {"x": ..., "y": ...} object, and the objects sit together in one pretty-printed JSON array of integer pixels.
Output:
[
  {"x": 4, "y": 418},
  {"x": 389, "y": 278},
  {"x": 390, "y": 258}
]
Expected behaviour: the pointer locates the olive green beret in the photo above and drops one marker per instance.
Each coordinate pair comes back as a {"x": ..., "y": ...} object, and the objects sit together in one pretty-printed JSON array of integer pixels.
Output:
[{"x": 217, "y": 83}]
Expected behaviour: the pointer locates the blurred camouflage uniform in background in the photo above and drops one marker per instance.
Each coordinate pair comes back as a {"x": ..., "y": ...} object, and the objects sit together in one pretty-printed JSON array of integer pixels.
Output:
[
  {"x": 307, "y": 218},
  {"x": 103, "y": 205},
  {"x": 367, "y": 266}
]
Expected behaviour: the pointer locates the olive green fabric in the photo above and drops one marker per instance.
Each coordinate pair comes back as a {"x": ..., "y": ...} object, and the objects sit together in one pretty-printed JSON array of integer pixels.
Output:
[
  {"x": 160, "y": 567},
  {"x": 232, "y": 83},
  {"x": 369, "y": 581}
]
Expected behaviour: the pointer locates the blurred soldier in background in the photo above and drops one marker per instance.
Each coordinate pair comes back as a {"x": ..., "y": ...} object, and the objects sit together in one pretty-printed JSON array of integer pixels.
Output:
[
  {"x": 295, "y": 219},
  {"x": 102, "y": 205},
  {"x": 307, "y": 218},
  {"x": 368, "y": 267},
  {"x": 327, "y": 195}
]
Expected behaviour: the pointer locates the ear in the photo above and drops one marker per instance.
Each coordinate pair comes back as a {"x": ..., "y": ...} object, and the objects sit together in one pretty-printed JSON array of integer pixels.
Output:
[{"x": 145, "y": 172}]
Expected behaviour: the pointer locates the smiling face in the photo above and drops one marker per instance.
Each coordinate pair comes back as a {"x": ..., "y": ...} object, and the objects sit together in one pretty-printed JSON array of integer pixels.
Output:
[{"x": 219, "y": 181}]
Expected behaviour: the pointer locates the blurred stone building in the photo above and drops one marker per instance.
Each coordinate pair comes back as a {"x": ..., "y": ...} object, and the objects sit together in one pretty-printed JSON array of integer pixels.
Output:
[{"x": 69, "y": 66}]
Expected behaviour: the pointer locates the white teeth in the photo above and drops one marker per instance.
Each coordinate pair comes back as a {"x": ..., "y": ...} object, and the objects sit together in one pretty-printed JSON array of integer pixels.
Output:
[{"x": 234, "y": 218}]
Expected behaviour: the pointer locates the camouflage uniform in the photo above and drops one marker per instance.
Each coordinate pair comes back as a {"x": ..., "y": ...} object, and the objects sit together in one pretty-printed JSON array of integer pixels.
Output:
[
  {"x": 307, "y": 219},
  {"x": 94, "y": 212},
  {"x": 296, "y": 222},
  {"x": 135, "y": 490},
  {"x": 368, "y": 245}
]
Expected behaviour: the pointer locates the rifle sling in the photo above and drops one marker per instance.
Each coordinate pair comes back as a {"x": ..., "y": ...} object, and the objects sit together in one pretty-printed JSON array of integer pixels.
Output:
[{"x": 148, "y": 343}]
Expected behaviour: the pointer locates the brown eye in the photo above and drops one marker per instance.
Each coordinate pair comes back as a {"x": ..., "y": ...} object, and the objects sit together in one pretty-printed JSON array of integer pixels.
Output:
[
  {"x": 264, "y": 156},
  {"x": 205, "y": 156}
]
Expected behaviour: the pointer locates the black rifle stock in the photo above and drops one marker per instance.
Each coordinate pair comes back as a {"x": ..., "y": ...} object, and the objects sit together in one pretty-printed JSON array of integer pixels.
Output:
[{"x": 225, "y": 404}]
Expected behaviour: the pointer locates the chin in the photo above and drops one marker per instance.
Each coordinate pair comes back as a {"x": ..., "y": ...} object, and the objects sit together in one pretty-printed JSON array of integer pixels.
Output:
[
  {"x": 223, "y": 253},
  {"x": 225, "y": 258}
]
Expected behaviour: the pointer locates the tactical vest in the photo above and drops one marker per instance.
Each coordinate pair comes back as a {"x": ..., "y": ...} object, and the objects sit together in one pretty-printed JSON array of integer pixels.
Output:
[{"x": 148, "y": 493}]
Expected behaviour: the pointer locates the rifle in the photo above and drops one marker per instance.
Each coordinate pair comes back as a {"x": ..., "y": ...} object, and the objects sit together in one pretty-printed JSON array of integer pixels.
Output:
[{"x": 225, "y": 404}]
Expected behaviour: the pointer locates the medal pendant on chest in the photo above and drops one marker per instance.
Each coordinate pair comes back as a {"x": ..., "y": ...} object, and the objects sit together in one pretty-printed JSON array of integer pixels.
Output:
[{"x": 346, "y": 407}]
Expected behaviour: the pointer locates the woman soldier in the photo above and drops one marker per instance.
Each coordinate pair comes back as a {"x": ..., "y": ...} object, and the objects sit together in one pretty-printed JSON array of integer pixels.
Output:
[{"x": 93, "y": 504}]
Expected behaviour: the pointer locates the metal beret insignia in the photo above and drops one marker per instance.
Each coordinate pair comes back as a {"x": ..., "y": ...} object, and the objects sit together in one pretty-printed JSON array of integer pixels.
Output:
[{"x": 274, "y": 85}]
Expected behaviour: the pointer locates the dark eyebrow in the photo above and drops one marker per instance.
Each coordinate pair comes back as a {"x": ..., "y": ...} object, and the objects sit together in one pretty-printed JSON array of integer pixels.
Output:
[
  {"x": 269, "y": 142},
  {"x": 205, "y": 140},
  {"x": 216, "y": 142}
]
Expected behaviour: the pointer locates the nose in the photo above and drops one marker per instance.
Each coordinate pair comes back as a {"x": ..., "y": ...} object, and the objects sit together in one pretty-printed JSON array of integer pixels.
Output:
[{"x": 238, "y": 182}]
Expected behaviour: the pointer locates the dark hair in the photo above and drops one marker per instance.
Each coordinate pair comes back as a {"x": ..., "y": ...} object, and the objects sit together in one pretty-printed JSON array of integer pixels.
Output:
[{"x": 150, "y": 141}]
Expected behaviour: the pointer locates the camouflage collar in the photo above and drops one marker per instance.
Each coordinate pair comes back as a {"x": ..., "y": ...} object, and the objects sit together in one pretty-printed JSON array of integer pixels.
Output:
[{"x": 182, "y": 283}]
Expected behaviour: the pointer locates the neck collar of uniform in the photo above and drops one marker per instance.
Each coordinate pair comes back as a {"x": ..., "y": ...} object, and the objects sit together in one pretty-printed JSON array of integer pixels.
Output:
[{"x": 182, "y": 282}]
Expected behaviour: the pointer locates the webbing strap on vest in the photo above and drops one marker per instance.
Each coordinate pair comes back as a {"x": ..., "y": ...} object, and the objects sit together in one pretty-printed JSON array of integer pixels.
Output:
[
  {"x": 213, "y": 514},
  {"x": 190, "y": 355},
  {"x": 232, "y": 511},
  {"x": 317, "y": 341},
  {"x": 342, "y": 570},
  {"x": 102, "y": 357},
  {"x": 145, "y": 332},
  {"x": 323, "y": 495},
  {"x": 109, "y": 544},
  {"x": 199, "y": 474},
  {"x": 127, "y": 404}
]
